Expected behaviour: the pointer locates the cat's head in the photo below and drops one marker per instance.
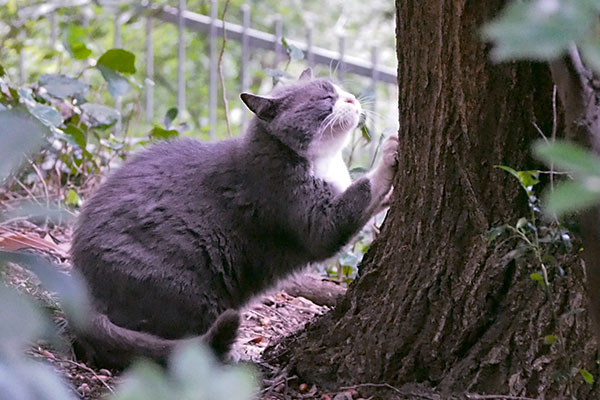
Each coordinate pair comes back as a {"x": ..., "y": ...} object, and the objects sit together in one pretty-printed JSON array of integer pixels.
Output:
[{"x": 310, "y": 115}]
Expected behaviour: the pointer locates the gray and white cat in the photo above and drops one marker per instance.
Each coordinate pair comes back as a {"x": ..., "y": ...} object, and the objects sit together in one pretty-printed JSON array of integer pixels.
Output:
[{"x": 186, "y": 232}]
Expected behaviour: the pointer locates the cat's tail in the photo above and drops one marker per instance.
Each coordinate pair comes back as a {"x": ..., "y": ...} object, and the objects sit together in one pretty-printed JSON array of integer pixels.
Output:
[{"x": 110, "y": 345}]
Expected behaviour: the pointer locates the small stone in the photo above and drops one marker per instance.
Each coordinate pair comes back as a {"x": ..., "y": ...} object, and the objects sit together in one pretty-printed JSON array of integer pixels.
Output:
[
  {"x": 303, "y": 388},
  {"x": 84, "y": 389},
  {"x": 279, "y": 388},
  {"x": 325, "y": 397},
  {"x": 343, "y": 396},
  {"x": 104, "y": 371}
]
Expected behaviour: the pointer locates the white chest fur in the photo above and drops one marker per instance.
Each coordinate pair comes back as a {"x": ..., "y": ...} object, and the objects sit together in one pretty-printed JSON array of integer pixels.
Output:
[{"x": 333, "y": 170}]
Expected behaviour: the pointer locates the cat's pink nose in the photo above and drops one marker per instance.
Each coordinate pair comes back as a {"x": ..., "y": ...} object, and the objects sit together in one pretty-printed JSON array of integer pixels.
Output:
[{"x": 350, "y": 100}]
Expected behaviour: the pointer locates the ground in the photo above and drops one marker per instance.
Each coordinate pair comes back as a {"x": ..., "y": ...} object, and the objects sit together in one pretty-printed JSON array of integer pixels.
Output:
[{"x": 265, "y": 321}]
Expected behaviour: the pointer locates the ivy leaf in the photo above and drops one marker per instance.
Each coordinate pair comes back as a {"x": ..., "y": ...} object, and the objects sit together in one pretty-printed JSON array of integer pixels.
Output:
[
  {"x": 170, "y": 117},
  {"x": 100, "y": 115},
  {"x": 77, "y": 134},
  {"x": 118, "y": 85},
  {"x": 62, "y": 86},
  {"x": 118, "y": 60},
  {"x": 164, "y": 134},
  {"x": 587, "y": 377},
  {"x": 46, "y": 114},
  {"x": 75, "y": 37},
  {"x": 495, "y": 232}
]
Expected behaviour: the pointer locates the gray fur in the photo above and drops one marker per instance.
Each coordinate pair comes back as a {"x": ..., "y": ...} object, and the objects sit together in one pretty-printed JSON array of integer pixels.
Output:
[{"x": 187, "y": 230}]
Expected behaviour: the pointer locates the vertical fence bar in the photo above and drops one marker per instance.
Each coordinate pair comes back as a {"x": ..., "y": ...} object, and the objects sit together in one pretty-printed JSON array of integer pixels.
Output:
[
  {"x": 278, "y": 28},
  {"x": 341, "y": 66},
  {"x": 212, "y": 87},
  {"x": 149, "y": 81},
  {"x": 181, "y": 57},
  {"x": 245, "y": 58},
  {"x": 310, "y": 58},
  {"x": 373, "y": 99},
  {"x": 118, "y": 103},
  {"x": 53, "y": 30},
  {"x": 22, "y": 71}
]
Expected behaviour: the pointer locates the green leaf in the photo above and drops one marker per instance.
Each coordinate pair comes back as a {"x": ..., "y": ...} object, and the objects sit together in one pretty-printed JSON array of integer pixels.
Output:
[
  {"x": 73, "y": 198},
  {"x": 528, "y": 178},
  {"x": 536, "y": 276},
  {"x": 568, "y": 157},
  {"x": 170, "y": 117},
  {"x": 2, "y": 71},
  {"x": 569, "y": 197},
  {"x": 522, "y": 222},
  {"x": 62, "y": 86},
  {"x": 75, "y": 37},
  {"x": 100, "y": 115},
  {"x": 160, "y": 133},
  {"x": 77, "y": 134},
  {"x": 366, "y": 132},
  {"x": 46, "y": 114},
  {"x": 539, "y": 29},
  {"x": 118, "y": 60},
  {"x": 587, "y": 377},
  {"x": 496, "y": 232},
  {"x": 549, "y": 339},
  {"x": 293, "y": 51},
  {"x": 118, "y": 85}
]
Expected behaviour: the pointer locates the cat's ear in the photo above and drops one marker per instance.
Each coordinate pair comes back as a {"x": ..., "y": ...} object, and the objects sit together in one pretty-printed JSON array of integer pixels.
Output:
[
  {"x": 264, "y": 108},
  {"x": 306, "y": 75}
]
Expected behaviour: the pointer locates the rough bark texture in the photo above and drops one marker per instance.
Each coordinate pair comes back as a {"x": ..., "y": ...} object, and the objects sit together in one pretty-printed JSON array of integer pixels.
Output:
[{"x": 434, "y": 302}]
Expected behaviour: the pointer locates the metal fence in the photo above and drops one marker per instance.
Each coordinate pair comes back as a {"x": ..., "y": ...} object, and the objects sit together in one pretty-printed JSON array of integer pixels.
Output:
[{"x": 215, "y": 28}]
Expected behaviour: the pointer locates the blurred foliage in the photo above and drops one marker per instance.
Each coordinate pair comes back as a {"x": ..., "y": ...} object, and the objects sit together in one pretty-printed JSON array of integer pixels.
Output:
[
  {"x": 73, "y": 108},
  {"x": 29, "y": 122},
  {"x": 87, "y": 31},
  {"x": 544, "y": 30}
]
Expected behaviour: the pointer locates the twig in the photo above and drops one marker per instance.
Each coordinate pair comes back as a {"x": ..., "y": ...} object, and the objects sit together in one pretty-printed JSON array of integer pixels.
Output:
[
  {"x": 221, "y": 77},
  {"x": 26, "y": 189},
  {"x": 380, "y": 385},
  {"x": 88, "y": 369},
  {"x": 496, "y": 396},
  {"x": 44, "y": 185}
]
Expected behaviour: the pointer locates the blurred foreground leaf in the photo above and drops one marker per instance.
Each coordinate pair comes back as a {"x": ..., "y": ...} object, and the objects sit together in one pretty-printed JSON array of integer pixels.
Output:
[
  {"x": 21, "y": 134},
  {"x": 69, "y": 288},
  {"x": 193, "y": 374},
  {"x": 540, "y": 29},
  {"x": 62, "y": 86}
]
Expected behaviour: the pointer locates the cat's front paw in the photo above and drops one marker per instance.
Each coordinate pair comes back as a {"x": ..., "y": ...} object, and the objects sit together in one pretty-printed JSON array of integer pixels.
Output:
[
  {"x": 388, "y": 161},
  {"x": 382, "y": 176}
]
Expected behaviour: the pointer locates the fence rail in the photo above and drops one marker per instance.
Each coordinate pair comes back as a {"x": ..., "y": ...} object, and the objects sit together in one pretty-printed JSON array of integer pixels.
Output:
[{"x": 249, "y": 38}]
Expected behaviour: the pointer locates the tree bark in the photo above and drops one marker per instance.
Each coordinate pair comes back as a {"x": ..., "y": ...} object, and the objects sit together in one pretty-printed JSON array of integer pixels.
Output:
[{"x": 434, "y": 301}]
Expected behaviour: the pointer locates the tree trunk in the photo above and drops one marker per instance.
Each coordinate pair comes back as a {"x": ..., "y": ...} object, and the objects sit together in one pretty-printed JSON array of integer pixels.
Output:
[{"x": 435, "y": 302}]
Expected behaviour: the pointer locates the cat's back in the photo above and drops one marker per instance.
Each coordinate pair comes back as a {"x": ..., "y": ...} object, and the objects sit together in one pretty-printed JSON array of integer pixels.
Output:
[{"x": 162, "y": 190}]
